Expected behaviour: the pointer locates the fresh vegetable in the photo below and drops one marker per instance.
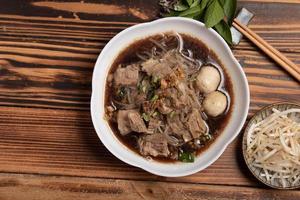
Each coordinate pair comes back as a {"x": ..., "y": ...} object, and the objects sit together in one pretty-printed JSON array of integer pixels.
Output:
[
  {"x": 186, "y": 157},
  {"x": 121, "y": 92},
  {"x": 217, "y": 14},
  {"x": 273, "y": 147},
  {"x": 146, "y": 117},
  {"x": 154, "y": 98}
]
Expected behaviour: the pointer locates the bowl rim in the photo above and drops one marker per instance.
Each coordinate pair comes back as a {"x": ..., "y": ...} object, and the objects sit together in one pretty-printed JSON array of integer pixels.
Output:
[
  {"x": 244, "y": 145},
  {"x": 226, "y": 143}
]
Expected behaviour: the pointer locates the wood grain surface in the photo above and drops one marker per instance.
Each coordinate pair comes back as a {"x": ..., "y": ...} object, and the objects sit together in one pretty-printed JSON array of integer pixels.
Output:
[
  {"x": 47, "y": 53},
  {"x": 63, "y": 188}
]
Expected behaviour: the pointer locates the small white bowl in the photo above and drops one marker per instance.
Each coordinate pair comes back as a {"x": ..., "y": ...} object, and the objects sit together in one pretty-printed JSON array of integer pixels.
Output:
[
  {"x": 213, "y": 41},
  {"x": 256, "y": 118}
]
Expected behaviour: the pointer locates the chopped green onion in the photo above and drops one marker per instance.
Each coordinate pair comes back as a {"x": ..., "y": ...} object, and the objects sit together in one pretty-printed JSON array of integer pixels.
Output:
[
  {"x": 155, "y": 79},
  {"x": 150, "y": 93},
  {"x": 205, "y": 138},
  {"x": 139, "y": 87},
  {"x": 172, "y": 114},
  {"x": 144, "y": 88},
  {"x": 155, "y": 113},
  {"x": 154, "y": 98},
  {"x": 146, "y": 117},
  {"x": 121, "y": 92},
  {"x": 186, "y": 157}
]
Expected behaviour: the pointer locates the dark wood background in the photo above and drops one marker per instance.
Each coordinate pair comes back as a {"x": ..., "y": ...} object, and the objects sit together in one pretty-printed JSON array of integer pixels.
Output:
[{"x": 48, "y": 146}]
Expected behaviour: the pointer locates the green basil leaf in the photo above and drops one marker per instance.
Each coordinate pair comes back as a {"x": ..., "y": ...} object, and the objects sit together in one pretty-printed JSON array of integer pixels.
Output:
[
  {"x": 224, "y": 30},
  {"x": 195, "y": 3},
  {"x": 222, "y": 2},
  {"x": 205, "y": 3},
  {"x": 192, "y": 16},
  {"x": 198, "y": 17},
  {"x": 189, "y": 2},
  {"x": 172, "y": 14},
  {"x": 191, "y": 12},
  {"x": 214, "y": 14},
  {"x": 229, "y": 10},
  {"x": 186, "y": 157},
  {"x": 180, "y": 6}
]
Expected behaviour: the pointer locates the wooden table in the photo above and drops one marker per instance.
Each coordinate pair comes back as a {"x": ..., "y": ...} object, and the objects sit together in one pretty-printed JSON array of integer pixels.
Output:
[{"x": 48, "y": 146}]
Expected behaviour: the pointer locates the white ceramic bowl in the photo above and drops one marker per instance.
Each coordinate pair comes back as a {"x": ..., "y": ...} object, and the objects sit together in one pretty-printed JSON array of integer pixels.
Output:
[{"x": 214, "y": 42}]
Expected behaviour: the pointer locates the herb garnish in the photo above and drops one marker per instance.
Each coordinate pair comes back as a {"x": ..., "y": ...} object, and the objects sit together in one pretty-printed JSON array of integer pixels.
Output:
[
  {"x": 217, "y": 14},
  {"x": 121, "y": 92},
  {"x": 154, "y": 97},
  {"x": 146, "y": 117},
  {"x": 186, "y": 157}
]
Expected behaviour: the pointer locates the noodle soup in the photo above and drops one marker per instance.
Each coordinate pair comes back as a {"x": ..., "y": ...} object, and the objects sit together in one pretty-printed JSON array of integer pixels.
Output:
[{"x": 168, "y": 97}]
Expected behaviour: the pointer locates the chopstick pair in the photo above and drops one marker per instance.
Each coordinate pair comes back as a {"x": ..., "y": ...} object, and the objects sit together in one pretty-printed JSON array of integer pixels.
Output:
[{"x": 282, "y": 60}]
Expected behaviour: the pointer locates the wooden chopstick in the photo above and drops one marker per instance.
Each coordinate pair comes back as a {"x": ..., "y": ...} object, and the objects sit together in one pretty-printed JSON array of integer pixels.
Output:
[
  {"x": 267, "y": 45},
  {"x": 283, "y": 61}
]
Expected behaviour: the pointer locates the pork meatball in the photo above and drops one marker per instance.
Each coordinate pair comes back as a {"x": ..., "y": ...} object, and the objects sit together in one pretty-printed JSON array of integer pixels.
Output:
[
  {"x": 208, "y": 79},
  {"x": 215, "y": 103}
]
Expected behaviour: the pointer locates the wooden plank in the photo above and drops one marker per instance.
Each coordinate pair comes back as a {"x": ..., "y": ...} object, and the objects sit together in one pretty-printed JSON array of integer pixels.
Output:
[
  {"x": 63, "y": 142},
  {"x": 50, "y": 70},
  {"x": 138, "y": 10},
  {"x": 270, "y": 12},
  {"x": 47, "y": 56},
  {"x": 19, "y": 187},
  {"x": 106, "y": 10},
  {"x": 53, "y": 83}
]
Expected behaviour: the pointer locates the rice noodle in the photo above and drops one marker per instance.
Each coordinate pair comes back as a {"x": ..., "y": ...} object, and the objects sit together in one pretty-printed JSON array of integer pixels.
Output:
[
  {"x": 144, "y": 58},
  {"x": 180, "y": 42},
  {"x": 273, "y": 145},
  {"x": 158, "y": 44},
  {"x": 186, "y": 60},
  {"x": 171, "y": 140}
]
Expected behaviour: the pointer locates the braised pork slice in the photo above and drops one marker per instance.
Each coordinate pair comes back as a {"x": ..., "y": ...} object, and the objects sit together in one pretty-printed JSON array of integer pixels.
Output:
[
  {"x": 127, "y": 76},
  {"x": 130, "y": 120},
  {"x": 177, "y": 128},
  {"x": 148, "y": 64},
  {"x": 195, "y": 124},
  {"x": 153, "y": 125},
  {"x": 136, "y": 122},
  {"x": 153, "y": 145},
  {"x": 137, "y": 97},
  {"x": 155, "y": 68},
  {"x": 164, "y": 106},
  {"x": 177, "y": 98}
]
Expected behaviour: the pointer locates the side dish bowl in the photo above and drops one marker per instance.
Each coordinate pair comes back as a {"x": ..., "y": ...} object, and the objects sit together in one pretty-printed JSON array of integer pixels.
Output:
[
  {"x": 214, "y": 42},
  {"x": 259, "y": 116}
]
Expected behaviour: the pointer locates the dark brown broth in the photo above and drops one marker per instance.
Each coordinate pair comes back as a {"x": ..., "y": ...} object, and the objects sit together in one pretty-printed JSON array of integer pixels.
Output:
[{"x": 200, "y": 51}]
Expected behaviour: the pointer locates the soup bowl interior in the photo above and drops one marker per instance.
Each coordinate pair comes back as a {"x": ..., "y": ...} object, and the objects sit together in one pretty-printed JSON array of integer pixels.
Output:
[{"x": 218, "y": 46}]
